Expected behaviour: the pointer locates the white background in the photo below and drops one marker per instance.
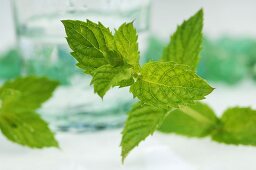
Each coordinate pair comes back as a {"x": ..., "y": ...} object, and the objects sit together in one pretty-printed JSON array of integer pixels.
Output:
[{"x": 98, "y": 151}]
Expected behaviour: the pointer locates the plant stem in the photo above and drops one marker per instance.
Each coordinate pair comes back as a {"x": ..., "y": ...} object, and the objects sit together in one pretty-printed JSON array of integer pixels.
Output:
[{"x": 195, "y": 114}]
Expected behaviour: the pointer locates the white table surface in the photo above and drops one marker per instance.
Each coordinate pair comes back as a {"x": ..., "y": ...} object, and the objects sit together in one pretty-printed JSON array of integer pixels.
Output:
[{"x": 100, "y": 151}]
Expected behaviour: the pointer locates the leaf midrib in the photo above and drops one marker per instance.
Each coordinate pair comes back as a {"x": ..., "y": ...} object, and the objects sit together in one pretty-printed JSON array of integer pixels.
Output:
[{"x": 148, "y": 81}]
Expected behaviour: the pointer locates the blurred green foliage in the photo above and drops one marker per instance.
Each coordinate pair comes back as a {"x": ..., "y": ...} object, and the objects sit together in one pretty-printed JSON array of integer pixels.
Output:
[{"x": 10, "y": 64}]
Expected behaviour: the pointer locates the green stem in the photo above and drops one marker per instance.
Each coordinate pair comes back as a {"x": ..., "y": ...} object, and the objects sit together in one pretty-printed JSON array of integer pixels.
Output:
[
  {"x": 1, "y": 104},
  {"x": 170, "y": 111},
  {"x": 195, "y": 114}
]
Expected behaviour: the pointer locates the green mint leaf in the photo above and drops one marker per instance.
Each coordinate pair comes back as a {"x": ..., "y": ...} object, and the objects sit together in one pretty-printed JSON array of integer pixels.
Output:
[
  {"x": 237, "y": 126},
  {"x": 93, "y": 45},
  {"x": 186, "y": 43},
  {"x": 8, "y": 97},
  {"x": 32, "y": 91},
  {"x": 126, "y": 42},
  {"x": 26, "y": 128},
  {"x": 108, "y": 76},
  {"x": 142, "y": 121},
  {"x": 167, "y": 85},
  {"x": 106, "y": 57},
  {"x": 197, "y": 120},
  {"x": 127, "y": 82},
  {"x": 18, "y": 120}
]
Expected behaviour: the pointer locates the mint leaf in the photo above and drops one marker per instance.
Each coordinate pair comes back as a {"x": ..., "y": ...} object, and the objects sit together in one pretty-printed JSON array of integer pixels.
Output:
[
  {"x": 186, "y": 43},
  {"x": 197, "y": 120},
  {"x": 102, "y": 34},
  {"x": 142, "y": 121},
  {"x": 167, "y": 85},
  {"x": 93, "y": 45},
  {"x": 127, "y": 82},
  {"x": 26, "y": 128},
  {"x": 108, "y": 76},
  {"x": 109, "y": 59},
  {"x": 18, "y": 120},
  {"x": 126, "y": 42},
  {"x": 237, "y": 126},
  {"x": 33, "y": 91},
  {"x": 8, "y": 97}
]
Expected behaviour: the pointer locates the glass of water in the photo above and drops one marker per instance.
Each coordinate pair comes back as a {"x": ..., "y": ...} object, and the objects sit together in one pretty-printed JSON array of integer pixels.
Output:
[{"x": 41, "y": 41}]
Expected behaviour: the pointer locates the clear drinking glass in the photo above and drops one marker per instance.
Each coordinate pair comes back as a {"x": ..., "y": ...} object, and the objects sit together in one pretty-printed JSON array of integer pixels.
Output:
[{"x": 41, "y": 40}]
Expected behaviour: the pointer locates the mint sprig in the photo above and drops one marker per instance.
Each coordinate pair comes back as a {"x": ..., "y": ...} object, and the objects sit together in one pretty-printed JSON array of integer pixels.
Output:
[
  {"x": 169, "y": 90},
  {"x": 19, "y": 122},
  {"x": 112, "y": 59}
]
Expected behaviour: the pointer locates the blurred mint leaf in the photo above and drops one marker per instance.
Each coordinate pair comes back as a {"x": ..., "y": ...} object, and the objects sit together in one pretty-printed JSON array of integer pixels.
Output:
[
  {"x": 126, "y": 42},
  {"x": 142, "y": 121},
  {"x": 167, "y": 85},
  {"x": 237, "y": 126},
  {"x": 186, "y": 43},
  {"x": 19, "y": 99},
  {"x": 197, "y": 120},
  {"x": 33, "y": 91},
  {"x": 26, "y": 128},
  {"x": 108, "y": 76}
]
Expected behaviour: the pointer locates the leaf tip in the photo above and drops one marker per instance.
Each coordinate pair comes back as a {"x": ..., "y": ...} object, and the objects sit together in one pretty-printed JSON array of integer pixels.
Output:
[
  {"x": 65, "y": 22},
  {"x": 201, "y": 11},
  {"x": 100, "y": 94},
  {"x": 123, "y": 155}
]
